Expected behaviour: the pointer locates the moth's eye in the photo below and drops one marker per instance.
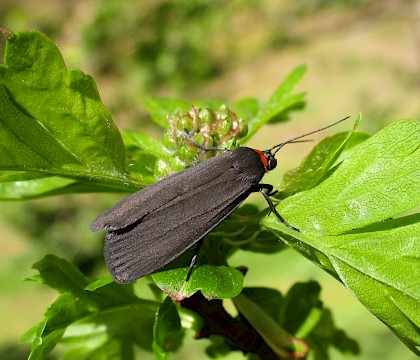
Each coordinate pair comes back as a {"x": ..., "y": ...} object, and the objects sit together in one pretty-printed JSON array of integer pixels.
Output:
[{"x": 271, "y": 161}]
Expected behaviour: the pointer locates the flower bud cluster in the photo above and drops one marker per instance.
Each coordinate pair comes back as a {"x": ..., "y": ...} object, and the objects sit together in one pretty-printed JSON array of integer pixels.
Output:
[{"x": 208, "y": 128}]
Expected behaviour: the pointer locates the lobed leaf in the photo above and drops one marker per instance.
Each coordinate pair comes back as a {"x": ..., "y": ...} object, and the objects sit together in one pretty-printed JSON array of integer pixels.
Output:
[
  {"x": 345, "y": 226},
  {"x": 94, "y": 320},
  {"x": 380, "y": 179},
  {"x": 145, "y": 142},
  {"x": 214, "y": 282},
  {"x": 64, "y": 106},
  {"x": 167, "y": 331},
  {"x": 316, "y": 166},
  {"x": 59, "y": 274},
  {"x": 247, "y": 108},
  {"x": 52, "y": 121}
]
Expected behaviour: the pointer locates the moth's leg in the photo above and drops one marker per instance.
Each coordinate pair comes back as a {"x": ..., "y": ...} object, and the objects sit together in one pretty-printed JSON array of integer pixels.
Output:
[
  {"x": 204, "y": 148},
  {"x": 193, "y": 260},
  {"x": 267, "y": 190}
]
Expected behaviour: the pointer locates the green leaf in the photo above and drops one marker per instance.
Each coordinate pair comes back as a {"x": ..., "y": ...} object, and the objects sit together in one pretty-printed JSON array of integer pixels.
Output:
[
  {"x": 356, "y": 139},
  {"x": 43, "y": 345},
  {"x": 280, "y": 102},
  {"x": 59, "y": 274},
  {"x": 26, "y": 142},
  {"x": 64, "y": 277},
  {"x": 94, "y": 285},
  {"x": 49, "y": 332},
  {"x": 247, "y": 108},
  {"x": 210, "y": 274},
  {"x": 34, "y": 188},
  {"x": 144, "y": 154},
  {"x": 380, "y": 268},
  {"x": 52, "y": 121},
  {"x": 214, "y": 282},
  {"x": 167, "y": 330},
  {"x": 100, "y": 349},
  {"x": 94, "y": 320},
  {"x": 316, "y": 165},
  {"x": 127, "y": 326},
  {"x": 377, "y": 262},
  {"x": 145, "y": 142},
  {"x": 64, "y": 311},
  {"x": 379, "y": 180}
]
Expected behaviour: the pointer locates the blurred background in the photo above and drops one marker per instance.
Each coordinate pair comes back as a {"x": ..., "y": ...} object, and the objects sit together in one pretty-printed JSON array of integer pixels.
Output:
[{"x": 362, "y": 56}]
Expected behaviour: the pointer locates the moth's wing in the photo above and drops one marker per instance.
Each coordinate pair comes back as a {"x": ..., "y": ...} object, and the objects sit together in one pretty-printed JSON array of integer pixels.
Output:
[
  {"x": 134, "y": 207},
  {"x": 168, "y": 231}
]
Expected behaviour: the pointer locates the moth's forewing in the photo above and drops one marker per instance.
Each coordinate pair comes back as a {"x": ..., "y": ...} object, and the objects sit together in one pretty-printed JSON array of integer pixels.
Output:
[{"x": 175, "y": 213}]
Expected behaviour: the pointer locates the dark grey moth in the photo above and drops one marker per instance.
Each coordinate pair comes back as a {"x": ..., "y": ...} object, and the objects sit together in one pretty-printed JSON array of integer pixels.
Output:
[{"x": 152, "y": 227}]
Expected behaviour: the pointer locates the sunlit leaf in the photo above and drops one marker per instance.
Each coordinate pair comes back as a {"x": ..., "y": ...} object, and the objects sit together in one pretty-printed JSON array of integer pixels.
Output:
[{"x": 345, "y": 226}]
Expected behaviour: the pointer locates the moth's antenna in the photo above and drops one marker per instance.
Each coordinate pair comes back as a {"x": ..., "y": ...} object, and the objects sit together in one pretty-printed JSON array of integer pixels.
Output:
[{"x": 277, "y": 147}]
